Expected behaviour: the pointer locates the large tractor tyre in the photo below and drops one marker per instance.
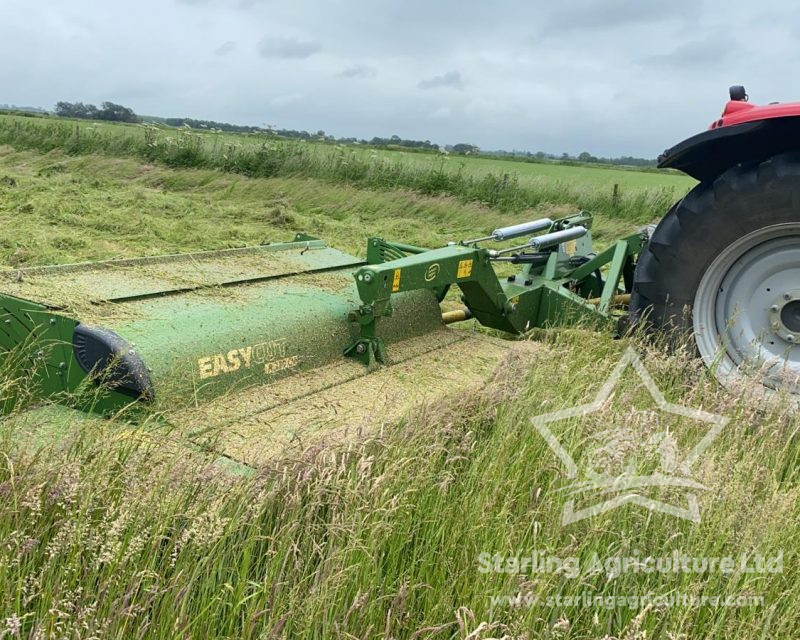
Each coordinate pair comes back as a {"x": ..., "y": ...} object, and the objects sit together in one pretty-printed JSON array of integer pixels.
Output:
[{"x": 724, "y": 263}]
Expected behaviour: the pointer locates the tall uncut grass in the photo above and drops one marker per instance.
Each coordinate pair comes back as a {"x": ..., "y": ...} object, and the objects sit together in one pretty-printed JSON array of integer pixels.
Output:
[
  {"x": 268, "y": 157},
  {"x": 118, "y": 533}
]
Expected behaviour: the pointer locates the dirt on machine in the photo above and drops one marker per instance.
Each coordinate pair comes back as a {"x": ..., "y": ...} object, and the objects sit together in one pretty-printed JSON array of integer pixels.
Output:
[{"x": 242, "y": 350}]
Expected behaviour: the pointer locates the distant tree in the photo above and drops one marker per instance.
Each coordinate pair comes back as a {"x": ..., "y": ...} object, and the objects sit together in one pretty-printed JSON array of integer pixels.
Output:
[
  {"x": 463, "y": 147},
  {"x": 22, "y": 108},
  {"x": 397, "y": 141},
  {"x": 221, "y": 126},
  {"x": 76, "y": 110},
  {"x": 63, "y": 109},
  {"x": 107, "y": 111},
  {"x": 116, "y": 113}
]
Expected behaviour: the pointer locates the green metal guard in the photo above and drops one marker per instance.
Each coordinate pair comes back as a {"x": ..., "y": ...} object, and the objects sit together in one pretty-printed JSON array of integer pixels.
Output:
[{"x": 561, "y": 279}]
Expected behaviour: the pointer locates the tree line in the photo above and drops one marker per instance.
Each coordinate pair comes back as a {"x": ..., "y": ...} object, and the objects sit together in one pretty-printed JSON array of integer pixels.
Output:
[
  {"x": 566, "y": 158},
  {"x": 192, "y": 123},
  {"x": 106, "y": 111},
  {"x": 119, "y": 113},
  {"x": 319, "y": 136}
]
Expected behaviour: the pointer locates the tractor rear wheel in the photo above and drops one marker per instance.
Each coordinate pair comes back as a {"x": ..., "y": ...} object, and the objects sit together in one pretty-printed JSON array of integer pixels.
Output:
[{"x": 724, "y": 263}]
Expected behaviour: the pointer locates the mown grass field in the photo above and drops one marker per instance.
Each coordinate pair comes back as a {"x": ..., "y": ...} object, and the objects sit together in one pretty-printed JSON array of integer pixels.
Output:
[
  {"x": 500, "y": 184},
  {"x": 95, "y": 207},
  {"x": 109, "y": 534}
]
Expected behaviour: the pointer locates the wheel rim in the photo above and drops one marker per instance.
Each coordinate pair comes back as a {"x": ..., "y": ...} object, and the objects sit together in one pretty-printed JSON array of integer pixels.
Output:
[{"x": 746, "y": 311}]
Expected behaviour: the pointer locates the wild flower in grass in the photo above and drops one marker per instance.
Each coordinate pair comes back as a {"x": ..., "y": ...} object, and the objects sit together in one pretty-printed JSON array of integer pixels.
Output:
[
  {"x": 135, "y": 546},
  {"x": 112, "y": 543},
  {"x": 634, "y": 630},
  {"x": 561, "y": 628},
  {"x": 359, "y": 601},
  {"x": 32, "y": 500},
  {"x": 68, "y": 617},
  {"x": 62, "y": 539},
  {"x": 13, "y": 625},
  {"x": 28, "y": 545},
  {"x": 31, "y": 588},
  {"x": 204, "y": 530},
  {"x": 466, "y": 617},
  {"x": 446, "y": 480},
  {"x": 65, "y": 490}
]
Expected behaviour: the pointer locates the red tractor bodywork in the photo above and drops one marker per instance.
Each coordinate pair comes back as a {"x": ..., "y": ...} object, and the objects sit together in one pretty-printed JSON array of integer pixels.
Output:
[
  {"x": 740, "y": 111},
  {"x": 745, "y": 133}
]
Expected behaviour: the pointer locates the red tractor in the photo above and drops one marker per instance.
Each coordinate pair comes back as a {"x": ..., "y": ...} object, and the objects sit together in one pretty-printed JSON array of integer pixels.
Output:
[{"x": 725, "y": 260}]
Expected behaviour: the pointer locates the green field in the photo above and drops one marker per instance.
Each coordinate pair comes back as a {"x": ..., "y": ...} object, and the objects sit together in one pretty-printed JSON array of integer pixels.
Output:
[
  {"x": 500, "y": 184},
  {"x": 110, "y": 534},
  {"x": 586, "y": 174}
]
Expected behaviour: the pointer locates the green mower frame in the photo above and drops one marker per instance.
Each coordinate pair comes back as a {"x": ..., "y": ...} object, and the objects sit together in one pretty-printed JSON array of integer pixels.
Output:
[
  {"x": 561, "y": 281},
  {"x": 185, "y": 336}
]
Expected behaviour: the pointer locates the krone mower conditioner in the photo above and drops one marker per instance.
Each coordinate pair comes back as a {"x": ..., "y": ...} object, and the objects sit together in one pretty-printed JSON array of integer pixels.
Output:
[{"x": 260, "y": 340}]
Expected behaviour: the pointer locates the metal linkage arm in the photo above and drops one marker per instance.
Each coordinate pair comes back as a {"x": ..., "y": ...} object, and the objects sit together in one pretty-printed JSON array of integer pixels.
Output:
[
  {"x": 468, "y": 267},
  {"x": 429, "y": 270},
  {"x": 562, "y": 279}
]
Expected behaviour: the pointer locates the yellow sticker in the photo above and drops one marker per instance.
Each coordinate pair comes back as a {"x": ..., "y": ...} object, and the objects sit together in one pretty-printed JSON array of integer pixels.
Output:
[
  {"x": 464, "y": 269},
  {"x": 570, "y": 247},
  {"x": 396, "y": 281}
]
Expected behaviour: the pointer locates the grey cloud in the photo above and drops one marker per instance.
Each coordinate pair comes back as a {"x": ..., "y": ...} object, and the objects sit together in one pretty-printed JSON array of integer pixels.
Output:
[
  {"x": 570, "y": 75},
  {"x": 358, "y": 71},
  {"x": 288, "y": 48},
  {"x": 695, "y": 53},
  {"x": 449, "y": 79},
  {"x": 225, "y": 48},
  {"x": 589, "y": 14}
]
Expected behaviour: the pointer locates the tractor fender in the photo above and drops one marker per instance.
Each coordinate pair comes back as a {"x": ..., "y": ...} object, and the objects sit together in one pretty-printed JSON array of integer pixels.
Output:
[{"x": 707, "y": 155}]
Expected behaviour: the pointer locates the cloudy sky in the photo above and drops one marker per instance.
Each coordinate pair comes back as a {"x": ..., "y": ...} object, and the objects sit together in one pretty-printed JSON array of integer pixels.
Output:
[{"x": 611, "y": 77}]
